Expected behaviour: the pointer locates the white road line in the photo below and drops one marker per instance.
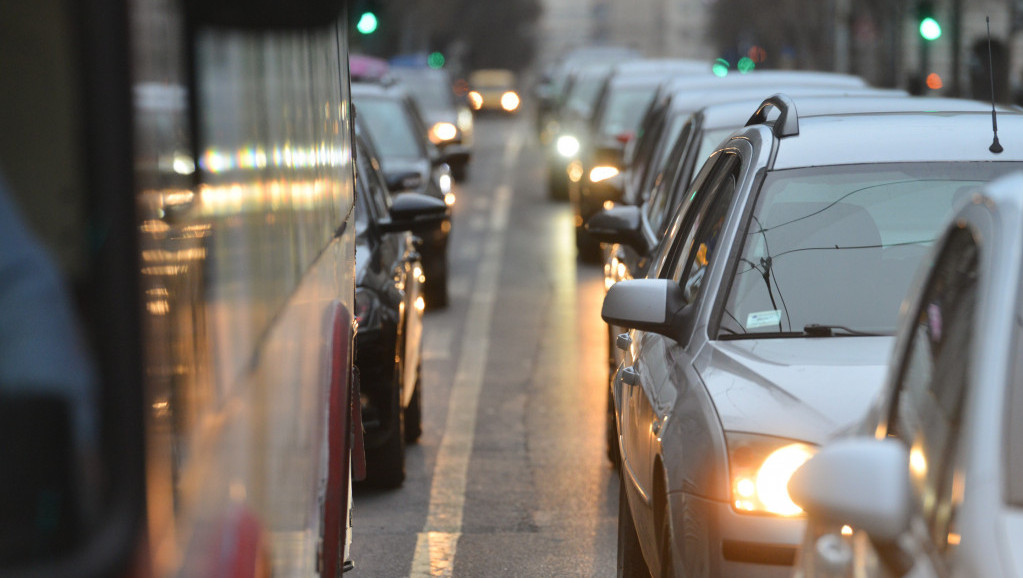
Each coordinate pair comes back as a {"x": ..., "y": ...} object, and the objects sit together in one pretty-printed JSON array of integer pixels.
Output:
[{"x": 437, "y": 543}]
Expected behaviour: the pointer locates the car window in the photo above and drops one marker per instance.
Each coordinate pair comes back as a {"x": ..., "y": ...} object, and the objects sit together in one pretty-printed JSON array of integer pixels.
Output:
[
  {"x": 392, "y": 129},
  {"x": 703, "y": 238},
  {"x": 658, "y": 165},
  {"x": 657, "y": 206},
  {"x": 838, "y": 246},
  {"x": 624, "y": 109},
  {"x": 933, "y": 379}
]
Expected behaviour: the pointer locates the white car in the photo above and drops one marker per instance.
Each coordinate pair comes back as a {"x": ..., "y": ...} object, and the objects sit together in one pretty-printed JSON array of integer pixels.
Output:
[{"x": 933, "y": 484}]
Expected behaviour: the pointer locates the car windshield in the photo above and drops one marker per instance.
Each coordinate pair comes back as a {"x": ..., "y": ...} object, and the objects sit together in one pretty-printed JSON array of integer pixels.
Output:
[
  {"x": 584, "y": 92},
  {"x": 838, "y": 246},
  {"x": 431, "y": 92},
  {"x": 624, "y": 109},
  {"x": 391, "y": 128}
]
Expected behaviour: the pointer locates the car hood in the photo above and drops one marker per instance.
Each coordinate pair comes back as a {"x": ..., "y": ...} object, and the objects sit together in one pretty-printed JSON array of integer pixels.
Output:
[
  {"x": 801, "y": 388},
  {"x": 434, "y": 115}
]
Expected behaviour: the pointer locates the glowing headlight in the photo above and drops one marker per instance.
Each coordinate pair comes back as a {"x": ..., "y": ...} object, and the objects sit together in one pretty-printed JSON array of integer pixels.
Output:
[
  {"x": 760, "y": 469},
  {"x": 475, "y": 100},
  {"x": 444, "y": 182},
  {"x": 509, "y": 101},
  {"x": 443, "y": 131},
  {"x": 567, "y": 146},
  {"x": 602, "y": 173}
]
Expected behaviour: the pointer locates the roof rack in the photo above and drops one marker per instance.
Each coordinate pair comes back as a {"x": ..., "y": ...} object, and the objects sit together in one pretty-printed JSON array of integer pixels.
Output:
[{"x": 787, "y": 123}]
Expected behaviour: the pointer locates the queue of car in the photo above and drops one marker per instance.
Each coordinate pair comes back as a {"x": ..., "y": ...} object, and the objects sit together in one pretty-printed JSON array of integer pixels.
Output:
[{"x": 760, "y": 238}]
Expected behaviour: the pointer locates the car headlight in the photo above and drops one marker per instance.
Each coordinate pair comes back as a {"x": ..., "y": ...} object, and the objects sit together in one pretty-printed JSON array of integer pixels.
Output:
[
  {"x": 759, "y": 470},
  {"x": 443, "y": 132},
  {"x": 602, "y": 173},
  {"x": 567, "y": 145},
  {"x": 475, "y": 100},
  {"x": 510, "y": 101}
]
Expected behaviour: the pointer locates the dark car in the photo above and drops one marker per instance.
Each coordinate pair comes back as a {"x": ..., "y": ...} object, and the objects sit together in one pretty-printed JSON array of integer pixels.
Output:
[
  {"x": 448, "y": 120},
  {"x": 410, "y": 162},
  {"x": 623, "y": 98},
  {"x": 388, "y": 310},
  {"x": 766, "y": 323}
]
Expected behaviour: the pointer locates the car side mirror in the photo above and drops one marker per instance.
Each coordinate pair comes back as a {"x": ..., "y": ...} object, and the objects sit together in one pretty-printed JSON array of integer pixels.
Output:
[
  {"x": 404, "y": 181},
  {"x": 414, "y": 211},
  {"x": 621, "y": 224},
  {"x": 653, "y": 305},
  {"x": 862, "y": 482}
]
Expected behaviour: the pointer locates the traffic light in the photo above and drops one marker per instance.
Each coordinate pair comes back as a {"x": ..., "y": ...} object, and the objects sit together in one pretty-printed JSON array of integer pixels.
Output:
[
  {"x": 929, "y": 27},
  {"x": 367, "y": 23}
]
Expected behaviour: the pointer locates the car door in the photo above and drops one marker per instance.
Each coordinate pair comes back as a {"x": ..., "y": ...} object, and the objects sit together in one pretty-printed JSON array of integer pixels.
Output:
[
  {"x": 926, "y": 408},
  {"x": 648, "y": 402}
]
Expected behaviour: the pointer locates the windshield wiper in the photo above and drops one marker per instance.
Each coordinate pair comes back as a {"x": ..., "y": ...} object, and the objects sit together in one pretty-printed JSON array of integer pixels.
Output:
[
  {"x": 818, "y": 330},
  {"x": 811, "y": 330}
]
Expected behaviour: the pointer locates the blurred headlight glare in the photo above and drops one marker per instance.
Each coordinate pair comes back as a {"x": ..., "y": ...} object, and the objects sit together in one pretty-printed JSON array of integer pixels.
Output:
[
  {"x": 760, "y": 468},
  {"x": 442, "y": 132},
  {"x": 567, "y": 145},
  {"x": 475, "y": 100},
  {"x": 602, "y": 173},
  {"x": 510, "y": 101}
]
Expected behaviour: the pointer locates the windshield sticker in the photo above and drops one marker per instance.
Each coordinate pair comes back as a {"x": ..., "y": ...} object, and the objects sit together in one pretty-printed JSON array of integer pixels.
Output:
[{"x": 763, "y": 319}]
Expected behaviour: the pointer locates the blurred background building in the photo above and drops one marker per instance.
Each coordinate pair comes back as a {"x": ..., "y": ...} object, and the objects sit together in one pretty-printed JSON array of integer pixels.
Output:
[{"x": 880, "y": 40}]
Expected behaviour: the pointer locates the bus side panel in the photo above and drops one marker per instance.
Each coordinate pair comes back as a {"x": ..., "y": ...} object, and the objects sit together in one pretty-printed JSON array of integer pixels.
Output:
[{"x": 242, "y": 275}]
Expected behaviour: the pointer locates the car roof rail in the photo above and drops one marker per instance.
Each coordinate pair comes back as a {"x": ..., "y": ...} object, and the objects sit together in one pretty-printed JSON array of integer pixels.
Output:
[{"x": 787, "y": 123}]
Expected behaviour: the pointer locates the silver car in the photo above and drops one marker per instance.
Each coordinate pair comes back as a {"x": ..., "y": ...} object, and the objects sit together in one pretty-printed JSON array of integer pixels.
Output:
[
  {"x": 933, "y": 484},
  {"x": 767, "y": 324}
]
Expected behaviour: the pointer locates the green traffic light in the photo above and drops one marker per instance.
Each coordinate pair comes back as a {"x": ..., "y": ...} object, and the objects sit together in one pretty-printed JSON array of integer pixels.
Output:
[
  {"x": 367, "y": 23},
  {"x": 930, "y": 29},
  {"x": 435, "y": 60},
  {"x": 720, "y": 67}
]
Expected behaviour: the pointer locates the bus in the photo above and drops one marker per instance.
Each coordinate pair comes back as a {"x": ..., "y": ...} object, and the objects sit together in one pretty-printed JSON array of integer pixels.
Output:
[{"x": 177, "y": 253}]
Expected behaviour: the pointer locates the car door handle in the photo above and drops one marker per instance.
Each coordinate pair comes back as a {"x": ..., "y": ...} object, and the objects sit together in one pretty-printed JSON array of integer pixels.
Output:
[
  {"x": 623, "y": 341},
  {"x": 629, "y": 376}
]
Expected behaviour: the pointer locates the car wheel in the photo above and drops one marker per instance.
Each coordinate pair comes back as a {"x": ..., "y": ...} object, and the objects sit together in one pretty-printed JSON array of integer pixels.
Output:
[
  {"x": 414, "y": 413},
  {"x": 385, "y": 467},
  {"x": 435, "y": 291},
  {"x": 587, "y": 248},
  {"x": 557, "y": 184},
  {"x": 611, "y": 430},
  {"x": 630, "y": 556}
]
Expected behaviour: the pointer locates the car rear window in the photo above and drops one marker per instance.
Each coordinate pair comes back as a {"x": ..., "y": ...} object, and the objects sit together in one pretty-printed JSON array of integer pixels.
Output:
[{"x": 390, "y": 127}]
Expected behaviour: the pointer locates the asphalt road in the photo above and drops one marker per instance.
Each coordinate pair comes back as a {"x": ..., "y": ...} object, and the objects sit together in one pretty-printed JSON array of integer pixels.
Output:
[{"x": 510, "y": 477}]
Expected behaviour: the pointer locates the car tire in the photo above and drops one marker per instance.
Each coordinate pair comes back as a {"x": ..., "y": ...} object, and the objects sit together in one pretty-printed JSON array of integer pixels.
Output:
[
  {"x": 435, "y": 291},
  {"x": 557, "y": 184},
  {"x": 587, "y": 248},
  {"x": 664, "y": 538},
  {"x": 459, "y": 172},
  {"x": 611, "y": 430},
  {"x": 385, "y": 467},
  {"x": 414, "y": 413},
  {"x": 631, "y": 563}
]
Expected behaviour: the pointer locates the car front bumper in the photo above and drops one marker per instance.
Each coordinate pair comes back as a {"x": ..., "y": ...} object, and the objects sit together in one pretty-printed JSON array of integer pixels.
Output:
[{"x": 713, "y": 536}]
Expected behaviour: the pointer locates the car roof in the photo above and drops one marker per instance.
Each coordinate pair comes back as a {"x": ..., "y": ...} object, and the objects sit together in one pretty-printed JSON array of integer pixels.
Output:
[
  {"x": 661, "y": 66},
  {"x": 379, "y": 89},
  {"x": 765, "y": 77},
  {"x": 848, "y": 139},
  {"x": 809, "y": 105},
  {"x": 741, "y": 98}
]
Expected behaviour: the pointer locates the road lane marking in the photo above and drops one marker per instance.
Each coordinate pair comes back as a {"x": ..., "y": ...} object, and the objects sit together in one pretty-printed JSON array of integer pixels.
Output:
[{"x": 436, "y": 545}]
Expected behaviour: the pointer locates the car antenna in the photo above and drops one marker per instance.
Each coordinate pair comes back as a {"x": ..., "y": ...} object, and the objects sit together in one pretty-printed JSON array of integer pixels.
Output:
[{"x": 995, "y": 147}]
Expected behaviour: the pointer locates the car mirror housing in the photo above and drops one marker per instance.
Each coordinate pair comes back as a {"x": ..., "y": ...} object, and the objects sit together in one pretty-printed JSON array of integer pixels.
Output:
[
  {"x": 414, "y": 211},
  {"x": 621, "y": 224},
  {"x": 861, "y": 482},
  {"x": 653, "y": 305},
  {"x": 404, "y": 181}
]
